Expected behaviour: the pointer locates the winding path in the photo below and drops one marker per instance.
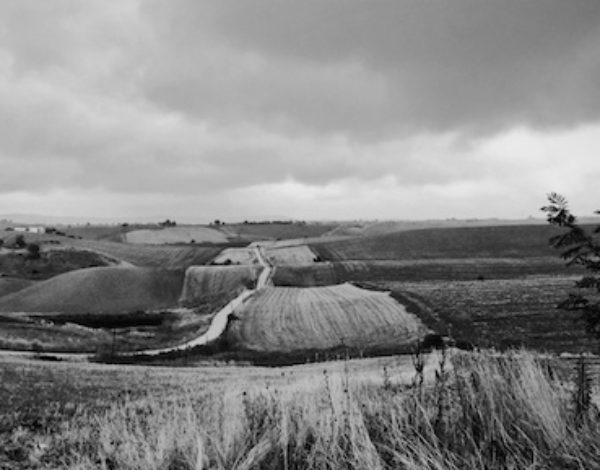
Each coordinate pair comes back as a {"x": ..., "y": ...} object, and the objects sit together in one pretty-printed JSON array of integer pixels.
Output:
[{"x": 221, "y": 318}]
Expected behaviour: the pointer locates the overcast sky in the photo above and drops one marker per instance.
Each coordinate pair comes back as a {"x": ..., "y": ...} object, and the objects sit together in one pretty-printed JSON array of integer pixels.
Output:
[{"x": 313, "y": 109}]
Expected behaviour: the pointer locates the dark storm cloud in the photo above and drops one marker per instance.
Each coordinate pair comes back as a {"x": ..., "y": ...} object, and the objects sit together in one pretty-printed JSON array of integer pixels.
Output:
[
  {"x": 382, "y": 67},
  {"x": 166, "y": 102}
]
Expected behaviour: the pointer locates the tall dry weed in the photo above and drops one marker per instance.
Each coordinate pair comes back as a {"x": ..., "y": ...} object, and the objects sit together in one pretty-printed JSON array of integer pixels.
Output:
[{"x": 479, "y": 411}]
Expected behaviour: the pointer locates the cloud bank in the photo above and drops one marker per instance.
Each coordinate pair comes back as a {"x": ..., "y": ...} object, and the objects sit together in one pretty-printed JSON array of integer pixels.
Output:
[{"x": 334, "y": 109}]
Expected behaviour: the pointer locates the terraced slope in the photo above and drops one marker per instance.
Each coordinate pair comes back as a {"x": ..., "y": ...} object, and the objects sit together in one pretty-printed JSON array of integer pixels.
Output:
[
  {"x": 467, "y": 242},
  {"x": 203, "y": 281},
  {"x": 99, "y": 290},
  {"x": 289, "y": 319}
]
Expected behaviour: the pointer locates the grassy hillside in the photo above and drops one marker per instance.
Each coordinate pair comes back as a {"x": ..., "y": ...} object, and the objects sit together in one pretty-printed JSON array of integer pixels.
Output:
[
  {"x": 324, "y": 274},
  {"x": 8, "y": 285},
  {"x": 275, "y": 231},
  {"x": 287, "y": 319},
  {"x": 179, "y": 234},
  {"x": 99, "y": 290},
  {"x": 499, "y": 313},
  {"x": 203, "y": 281},
  {"x": 471, "y": 242}
]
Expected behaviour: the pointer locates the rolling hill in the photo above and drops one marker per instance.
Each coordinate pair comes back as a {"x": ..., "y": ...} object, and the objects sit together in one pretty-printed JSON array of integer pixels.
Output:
[{"x": 99, "y": 290}]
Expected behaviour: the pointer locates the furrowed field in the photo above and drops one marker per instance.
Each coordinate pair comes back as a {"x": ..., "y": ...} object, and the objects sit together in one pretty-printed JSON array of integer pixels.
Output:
[
  {"x": 500, "y": 313},
  {"x": 287, "y": 319}
]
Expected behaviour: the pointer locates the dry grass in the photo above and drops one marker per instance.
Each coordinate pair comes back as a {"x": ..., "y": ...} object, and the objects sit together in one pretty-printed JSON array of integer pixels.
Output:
[
  {"x": 287, "y": 319},
  {"x": 480, "y": 411}
]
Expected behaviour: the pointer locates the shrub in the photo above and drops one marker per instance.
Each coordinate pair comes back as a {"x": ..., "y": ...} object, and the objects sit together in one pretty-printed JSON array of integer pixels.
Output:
[
  {"x": 432, "y": 341},
  {"x": 33, "y": 251},
  {"x": 20, "y": 241}
]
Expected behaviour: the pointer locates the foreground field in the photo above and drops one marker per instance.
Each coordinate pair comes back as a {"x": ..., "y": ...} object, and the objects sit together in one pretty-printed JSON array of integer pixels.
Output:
[
  {"x": 465, "y": 411},
  {"x": 287, "y": 319}
]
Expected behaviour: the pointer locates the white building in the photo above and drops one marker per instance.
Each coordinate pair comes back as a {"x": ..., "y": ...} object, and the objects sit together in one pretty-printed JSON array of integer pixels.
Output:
[{"x": 30, "y": 229}]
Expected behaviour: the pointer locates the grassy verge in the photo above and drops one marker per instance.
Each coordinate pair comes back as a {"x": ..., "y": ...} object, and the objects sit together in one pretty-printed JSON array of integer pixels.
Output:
[{"x": 480, "y": 411}]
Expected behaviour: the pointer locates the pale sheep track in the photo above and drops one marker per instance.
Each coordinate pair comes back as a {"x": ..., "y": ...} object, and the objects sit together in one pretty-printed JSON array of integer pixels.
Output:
[{"x": 288, "y": 319}]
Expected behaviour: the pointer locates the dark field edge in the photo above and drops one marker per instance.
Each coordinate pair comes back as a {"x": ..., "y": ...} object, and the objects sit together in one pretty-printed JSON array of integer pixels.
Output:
[{"x": 221, "y": 351}]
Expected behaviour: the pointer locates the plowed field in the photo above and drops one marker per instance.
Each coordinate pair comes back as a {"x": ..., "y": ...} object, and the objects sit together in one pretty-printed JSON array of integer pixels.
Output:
[{"x": 502, "y": 313}]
